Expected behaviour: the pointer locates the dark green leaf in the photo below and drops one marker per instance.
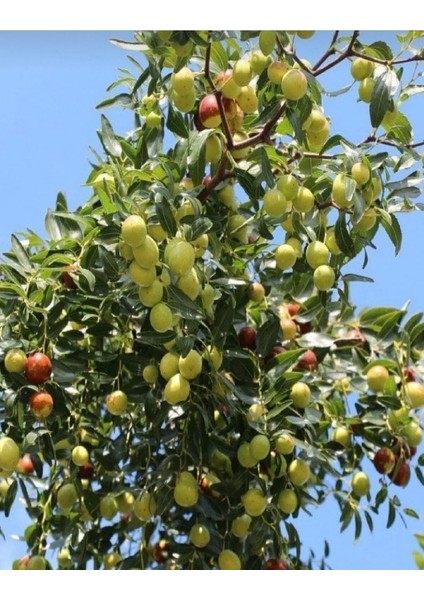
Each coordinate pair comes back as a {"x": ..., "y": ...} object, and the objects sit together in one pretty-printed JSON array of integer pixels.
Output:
[
  {"x": 176, "y": 123},
  {"x": 109, "y": 139},
  {"x": 343, "y": 239},
  {"x": 123, "y": 100},
  {"x": 181, "y": 304},
  {"x": 21, "y": 253},
  {"x": 392, "y": 228},
  {"x": 268, "y": 334},
  {"x": 166, "y": 217},
  {"x": 266, "y": 170},
  {"x": 380, "y": 99},
  {"x": 196, "y": 155}
]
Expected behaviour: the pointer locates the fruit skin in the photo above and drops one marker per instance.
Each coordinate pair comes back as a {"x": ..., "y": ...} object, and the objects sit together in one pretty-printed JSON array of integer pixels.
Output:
[
  {"x": 366, "y": 88},
  {"x": 240, "y": 525},
  {"x": 284, "y": 444},
  {"x": 361, "y": 173},
  {"x": 183, "y": 81},
  {"x": 401, "y": 474},
  {"x": 229, "y": 561},
  {"x": 25, "y": 464},
  {"x": 317, "y": 254},
  {"x": 413, "y": 434},
  {"x": 134, "y": 230},
  {"x": 285, "y": 257},
  {"x": 343, "y": 436},
  {"x": 275, "y": 204},
  {"x": 324, "y": 278},
  {"x": 108, "y": 507},
  {"x": 300, "y": 394},
  {"x": 361, "y": 68},
  {"x": 308, "y": 362},
  {"x": 254, "y": 502},
  {"x": 414, "y": 393},
  {"x": 276, "y": 564},
  {"x": 66, "y": 496},
  {"x": 38, "y": 368},
  {"x": 41, "y": 404},
  {"x": 294, "y": 84},
  {"x": 384, "y": 460},
  {"x": 259, "y": 447},
  {"x": 209, "y": 112},
  {"x": 361, "y": 484},
  {"x": 247, "y": 337},
  {"x": 117, "y": 402},
  {"x": 190, "y": 366},
  {"x": 256, "y": 292},
  {"x": 299, "y": 472},
  {"x": 288, "y": 501},
  {"x": 199, "y": 535},
  {"x": 145, "y": 506},
  {"x": 80, "y": 456},
  {"x": 186, "y": 492},
  {"x": 15, "y": 361},
  {"x": 226, "y": 84},
  {"x": 9, "y": 454},
  {"x": 177, "y": 389},
  {"x": 377, "y": 377},
  {"x": 36, "y": 563},
  {"x": 161, "y": 318}
]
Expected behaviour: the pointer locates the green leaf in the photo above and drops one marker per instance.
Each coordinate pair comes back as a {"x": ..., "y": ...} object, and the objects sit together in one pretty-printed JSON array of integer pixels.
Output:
[
  {"x": 268, "y": 334},
  {"x": 379, "y": 50},
  {"x": 166, "y": 217},
  {"x": 391, "y": 516},
  {"x": 21, "y": 253},
  {"x": 123, "y": 100},
  {"x": 420, "y": 539},
  {"x": 176, "y": 123},
  {"x": 381, "y": 95},
  {"x": 181, "y": 304},
  {"x": 219, "y": 56},
  {"x": 419, "y": 560},
  {"x": 196, "y": 155},
  {"x": 10, "y": 497},
  {"x": 392, "y": 228},
  {"x": 343, "y": 239},
  {"x": 266, "y": 170},
  {"x": 109, "y": 139}
]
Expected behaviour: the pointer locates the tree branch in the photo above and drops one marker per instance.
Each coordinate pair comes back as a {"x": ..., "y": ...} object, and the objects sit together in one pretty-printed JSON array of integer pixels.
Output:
[
  {"x": 331, "y": 50},
  {"x": 339, "y": 59},
  {"x": 216, "y": 179},
  {"x": 262, "y": 136},
  {"x": 382, "y": 61}
]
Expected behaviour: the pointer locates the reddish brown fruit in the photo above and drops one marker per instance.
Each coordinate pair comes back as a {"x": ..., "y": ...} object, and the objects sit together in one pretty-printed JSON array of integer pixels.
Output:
[
  {"x": 412, "y": 451},
  {"x": 41, "y": 404},
  {"x": 276, "y": 564},
  {"x": 308, "y": 362},
  {"x": 384, "y": 460},
  {"x": 38, "y": 368},
  {"x": 230, "y": 108},
  {"x": 160, "y": 551},
  {"x": 274, "y": 352},
  {"x": 247, "y": 337},
  {"x": 198, "y": 123},
  {"x": 25, "y": 464},
  {"x": 206, "y": 180},
  {"x": 66, "y": 278},
  {"x": 86, "y": 471},
  {"x": 401, "y": 475},
  {"x": 209, "y": 112},
  {"x": 409, "y": 374},
  {"x": 293, "y": 308},
  {"x": 304, "y": 327}
]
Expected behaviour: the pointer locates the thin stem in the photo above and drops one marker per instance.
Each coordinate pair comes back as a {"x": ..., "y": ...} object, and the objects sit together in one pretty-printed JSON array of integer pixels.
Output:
[
  {"x": 331, "y": 50},
  {"x": 382, "y": 61},
  {"x": 340, "y": 58},
  {"x": 262, "y": 136},
  {"x": 216, "y": 179}
]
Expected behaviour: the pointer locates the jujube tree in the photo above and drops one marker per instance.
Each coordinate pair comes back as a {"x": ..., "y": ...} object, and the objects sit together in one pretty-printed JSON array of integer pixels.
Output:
[{"x": 183, "y": 370}]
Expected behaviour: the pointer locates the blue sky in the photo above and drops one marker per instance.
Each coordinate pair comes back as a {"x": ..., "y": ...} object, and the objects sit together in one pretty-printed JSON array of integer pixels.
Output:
[{"x": 51, "y": 83}]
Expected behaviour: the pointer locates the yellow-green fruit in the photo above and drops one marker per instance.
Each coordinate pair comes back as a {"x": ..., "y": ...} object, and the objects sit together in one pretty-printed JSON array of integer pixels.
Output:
[
  {"x": 213, "y": 150},
  {"x": 330, "y": 241},
  {"x": 259, "y": 62},
  {"x": 153, "y": 119},
  {"x": 296, "y": 245},
  {"x": 413, "y": 434},
  {"x": 285, "y": 256},
  {"x": 361, "y": 173},
  {"x": 343, "y": 436},
  {"x": 305, "y": 34},
  {"x": 157, "y": 232},
  {"x": 377, "y": 377},
  {"x": 288, "y": 501},
  {"x": 4, "y": 487},
  {"x": 185, "y": 210},
  {"x": 366, "y": 88},
  {"x": 256, "y": 412},
  {"x": 214, "y": 356},
  {"x": 147, "y": 254},
  {"x": 64, "y": 559},
  {"x": 229, "y": 561},
  {"x": 340, "y": 192},
  {"x": 317, "y": 254},
  {"x": 15, "y": 361},
  {"x": 150, "y": 374},
  {"x": 240, "y": 136},
  {"x": 208, "y": 296},
  {"x": 276, "y": 71},
  {"x": 182, "y": 49},
  {"x": 259, "y": 447},
  {"x": 186, "y": 492},
  {"x": 184, "y": 102},
  {"x": 300, "y": 394},
  {"x": 275, "y": 203},
  {"x": 183, "y": 81},
  {"x": 237, "y": 229},
  {"x": 9, "y": 454},
  {"x": 361, "y": 484},
  {"x": 366, "y": 222},
  {"x": 247, "y": 99},
  {"x": 304, "y": 201},
  {"x": 245, "y": 457},
  {"x": 151, "y": 295},
  {"x": 145, "y": 506},
  {"x": 294, "y": 84},
  {"x": 125, "y": 502},
  {"x": 190, "y": 366},
  {"x": 36, "y": 563},
  {"x": 254, "y": 502},
  {"x": 373, "y": 191},
  {"x": 189, "y": 284},
  {"x": 316, "y": 139},
  {"x": 180, "y": 258},
  {"x": 80, "y": 456},
  {"x": 108, "y": 507},
  {"x": 161, "y": 318},
  {"x": 316, "y": 121},
  {"x": 200, "y": 245},
  {"x": 288, "y": 186},
  {"x": 66, "y": 496},
  {"x": 287, "y": 224},
  {"x": 240, "y": 525},
  {"x": 111, "y": 560},
  {"x": 324, "y": 278},
  {"x": 126, "y": 251},
  {"x": 199, "y": 535},
  {"x": 140, "y": 275},
  {"x": 284, "y": 444},
  {"x": 299, "y": 472},
  {"x": 177, "y": 389},
  {"x": 242, "y": 72},
  {"x": 267, "y": 41},
  {"x": 117, "y": 402},
  {"x": 227, "y": 197},
  {"x": 164, "y": 35},
  {"x": 134, "y": 231},
  {"x": 414, "y": 394},
  {"x": 361, "y": 68},
  {"x": 226, "y": 85}
]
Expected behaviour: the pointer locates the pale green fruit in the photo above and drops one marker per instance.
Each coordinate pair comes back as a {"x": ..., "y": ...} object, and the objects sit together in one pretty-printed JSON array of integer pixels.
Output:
[
  {"x": 305, "y": 34},
  {"x": 413, "y": 434},
  {"x": 117, "y": 402},
  {"x": 145, "y": 506},
  {"x": 275, "y": 204},
  {"x": 140, "y": 275},
  {"x": 80, "y": 455},
  {"x": 240, "y": 526},
  {"x": 299, "y": 472},
  {"x": 331, "y": 243},
  {"x": 64, "y": 559},
  {"x": 377, "y": 377},
  {"x": 180, "y": 258},
  {"x": 259, "y": 62},
  {"x": 240, "y": 136},
  {"x": 150, "y": 374},
  {"x": 245, "y": 457},
  {"x": 288, "y": 186},
  {"x": 213, "y": 150},
  {"x": 190, "y": 366},
  {"x": 183, "y": 49},
  {"x": 15, "y": 361},
  {"x": 185, "y": 493},
  {"x": 125, "y": 503},
  {"x": 184, "y": 102},
  {"x": 208, "y": 296},
  {"x": 259, "y": 447},
  {"x": 4, "y": 487},
  {"x": 324, "y": 278},
  {"x": 361, "y": 484},
  {"x": 9, "y": 454},
  {"x": 199, "y": 535},
  {"x": 134, "y": 231},
  {"x": 285, "y": 256},
  {"x": 108, "y": 507},
  {"x": 226, "y": 84},
  {"x": 177, "y": 389},
  {"x": 296, "y": 245},
  {"x": 267, "y": 40},
  {"x": 414, "y": 394},
  {"x": 185, "y": 210},
  {"x": 161, "y": 318},
  {"x": 147, "y": 254},
  {"x": 126, "y": 251},
  {"x": 300, "y": 394},
  {"x": 276, "y": 71},
  {"x": 366, "y": 88},
  {"x": 247, "y": 99},
  {"x": 227, "y": 197},
  {"x": 183, "y": 81},
  {"x": 294, "y": 84},
  {"x": 316, "y": 121},
  {"x": 316, "y": 139},
  {"x": 343, "y": 436},
  {"x": 254, "y": 502},
  {"x": 189, "y": 284},
  {"x": 153, "y": 119},
  {"x": 287, "y": 224},
  {"x": 304, "y": 201},
  {"x": 317, "y": 254},
  {"x": 36, "y": 563},
  {"x": 339, "y": 191},
  {"x": 288, "y": 501},
  {"x": 200, "y": 245},
  {"x": 66, "y": 496},
  {"x": 366, "y": 222},
  {"x": 214, "y": 356},
  {"x": 157, "y": 232},
  {"x": 361, "y": 68},
  {"x": 229, "y": 561},
  {"x": 242, "y": 72},
  {"x": 151, "y": 295},
  {"x": 256, "y": 412},
  {"x": 373, "y": 191},
  {"x": 237, "y": 229},
  {"x": 111, "y": 560},
  {"x": 361, "y": 173},
  {"x": 284, "y": 444}
]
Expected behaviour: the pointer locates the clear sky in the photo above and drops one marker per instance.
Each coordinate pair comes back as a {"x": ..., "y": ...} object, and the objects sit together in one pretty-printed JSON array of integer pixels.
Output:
[{"x": 50, "y": 85}]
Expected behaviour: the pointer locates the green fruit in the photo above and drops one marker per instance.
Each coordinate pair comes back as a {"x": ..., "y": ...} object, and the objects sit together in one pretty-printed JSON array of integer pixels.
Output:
[
  {"x": 414, "y": 395},
  {"x": 366, "y": 222},
  {"x": 242, "y": 72},
  {"x": 125, "y": 502},
  {"x": 184, "y": 102},
  {"x": 111, "y": 560},
  {"x": 343, "y": 436},
  {"x": 186, "y": 492},
  {"x": 316, "y": 121},
  {"x": 340, "y": 193},
  {"x": 161, "y": 318},
  {"x": 108, "y": 507},
  {"x": 226, "y": 84},
  {"x": 296, "y": 245},
  {"x": 180, "y": 258},
  {"x": 377, "y": 377},
  {"x": 288, "y": 186},
  {"x": 151, "y": 295},
  {"x": 304, "y": 201},
  {"x": 36, "y": 563},
  {"x": 183, "y": 81},
  {"x": 80, "y": 456},
  {"x": 150, "y": 374},
  {"x": 275, "y": 204},
  {"x": 229, "y": 561},
  {"x": 361, "y": 68},
  {"x": 64, "y": 559},
  {"x": 299, "y": 472},
  {"x": 15, "y": 361},
  {"x": 276, "y": 71},
  {"x": 66, "y": 496},
  {"x": 413, "y": 434},
  {"x": 145, "y": 507},
  {"x": 168, "y": 365},
  {"x": 300, "y": 395},
  {"x": 294, "y": 84},
  {"x": 134, "y": 231},
  {"x": 183, "y": 49},
  {"x": 140, "y": 275},
  {"x": 284, "y": 444},
  {"x": 199, "y": 536},
  {"x": 360, "y": 173},
  {"x": 176, "y": 390},
  {"x": 147, "y": 254},
  {"x": 267, "y": 40},
  {"x": 254, "y": 502},
  {"x": 244, "y": 456},
  {"x": 247, "y": 99},
  {"x": 240, "y": 525},
  {"x": 288, "y": 501},
  {"x": 373, "y": 191},
  {"x": 324, "y": 278},
  {"x": 9, "y": 454},
  {"x": 360, "y": 484},
  {"x": 189, "y": 284},
  {"x": 259, "y": 447},
  {"x": 237, "y": 229},
  {"x": 213, "y": 149},
  {"x": 317, "y": 254},
  {"x": 366, "y": 88},
  {"x": 153, "y": 119},
  {"x": 285, "y": 256},
  {"x": 190, "y": 366},
  {"x": 117, "y": 402},
  {"x": 331, "y": 243},
  {"x": 259, "y": 62}
]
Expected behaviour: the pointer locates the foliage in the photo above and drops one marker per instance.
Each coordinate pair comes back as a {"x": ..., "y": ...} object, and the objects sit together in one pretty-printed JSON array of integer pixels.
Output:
[{"x": 237, "y": 202}]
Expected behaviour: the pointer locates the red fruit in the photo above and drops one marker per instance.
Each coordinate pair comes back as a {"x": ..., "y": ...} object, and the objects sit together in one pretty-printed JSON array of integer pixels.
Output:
[
  {"x": 276, "y": 564},
  {"x": 412, "y": 451},
  {"x": 25, "y": 464},
  {"x": 209, "y": 112},
  {"x": 308, "y": 362},
  {"x": 401, "y": 474},
  {"x": 86, "y": 471},
  {"x": 230, "y": 108},
  {"x": 356, "y": 336},
  {"x": 304, "y": 327},
  {"x": 206, "y": 180},
  {"x": 67, "y": 279},
  {"x": 409, "y": 374},
  {"x": 274, "y": 352},
  {"x": 160, "y": 551},
  {"x": 41, "y": 404},
  {"x": 293, "y": 309},
  {"x": 38, "y": 368},
  {"x": 247, "y": 337},
  {"x": 384, "y": 460}
]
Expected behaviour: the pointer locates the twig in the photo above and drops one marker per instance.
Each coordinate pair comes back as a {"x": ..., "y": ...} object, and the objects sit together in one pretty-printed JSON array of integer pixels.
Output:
[
  {"x": 382, "y": 61},
  {"x": 216, "y": 179},
  {"x": 343, "y": 56},
  {"x": 262, "y": 136},
  {"x": 331, "y": 50}
]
